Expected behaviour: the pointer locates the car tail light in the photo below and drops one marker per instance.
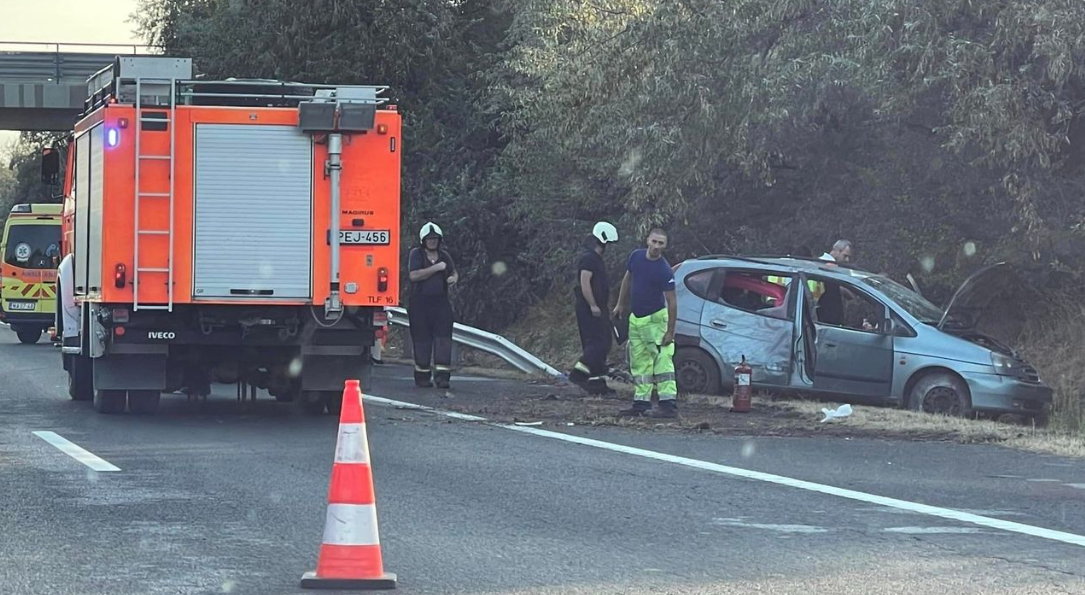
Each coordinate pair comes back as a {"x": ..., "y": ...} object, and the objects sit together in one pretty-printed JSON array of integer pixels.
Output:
[
  {"x": 382, "y": 279},
  {"x": 120, "y": 315},
  {"x": 120, "y": 276}
]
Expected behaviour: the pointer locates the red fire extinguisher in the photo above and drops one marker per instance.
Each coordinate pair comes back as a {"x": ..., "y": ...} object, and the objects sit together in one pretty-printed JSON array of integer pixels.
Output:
[{"x": 740, "y": 399}]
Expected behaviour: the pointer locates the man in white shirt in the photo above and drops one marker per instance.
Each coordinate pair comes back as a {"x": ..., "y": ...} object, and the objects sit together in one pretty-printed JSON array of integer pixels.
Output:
[{"x": 841, "y": 252}]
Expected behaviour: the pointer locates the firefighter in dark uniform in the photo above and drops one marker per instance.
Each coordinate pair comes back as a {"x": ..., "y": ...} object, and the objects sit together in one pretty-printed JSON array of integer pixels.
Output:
[
  {"x": 592, "y": 291},
  {"x": 431, "y": 272}
]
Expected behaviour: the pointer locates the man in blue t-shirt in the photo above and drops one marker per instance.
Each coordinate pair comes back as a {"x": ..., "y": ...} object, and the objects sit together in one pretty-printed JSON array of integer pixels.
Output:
[{"x": 648, "y": 296}]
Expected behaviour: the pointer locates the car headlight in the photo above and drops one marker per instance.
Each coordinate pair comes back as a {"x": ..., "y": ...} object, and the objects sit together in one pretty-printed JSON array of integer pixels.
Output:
[{"x": 1004, "y": 365}]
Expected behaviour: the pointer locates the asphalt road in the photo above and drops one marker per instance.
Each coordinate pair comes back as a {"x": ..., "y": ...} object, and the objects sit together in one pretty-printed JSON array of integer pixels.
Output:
[{"x": 225, "y": 498}]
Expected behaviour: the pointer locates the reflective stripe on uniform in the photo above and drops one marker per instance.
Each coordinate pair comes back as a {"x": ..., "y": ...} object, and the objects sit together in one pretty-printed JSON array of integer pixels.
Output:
[{"x": 421, "y": 369}]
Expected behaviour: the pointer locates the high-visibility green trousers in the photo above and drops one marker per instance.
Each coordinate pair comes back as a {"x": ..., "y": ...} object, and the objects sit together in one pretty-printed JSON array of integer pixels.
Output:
[{"x": 651, "y": 364}]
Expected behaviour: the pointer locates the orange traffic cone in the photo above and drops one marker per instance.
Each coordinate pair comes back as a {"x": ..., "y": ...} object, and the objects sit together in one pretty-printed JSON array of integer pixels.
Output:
[{"x": 350, "y": 554}]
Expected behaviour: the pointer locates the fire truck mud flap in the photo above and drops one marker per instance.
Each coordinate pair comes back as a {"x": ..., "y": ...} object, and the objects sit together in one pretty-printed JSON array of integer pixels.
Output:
[{"x": 130, "y": 371}]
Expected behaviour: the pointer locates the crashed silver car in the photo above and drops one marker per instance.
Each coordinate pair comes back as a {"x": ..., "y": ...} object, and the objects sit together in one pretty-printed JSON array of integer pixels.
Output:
[{"x": 815, "y": 327}]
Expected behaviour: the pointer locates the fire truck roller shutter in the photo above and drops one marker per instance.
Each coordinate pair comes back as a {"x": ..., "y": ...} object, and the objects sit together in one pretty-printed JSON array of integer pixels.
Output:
[{"x": 253, "y": 189}]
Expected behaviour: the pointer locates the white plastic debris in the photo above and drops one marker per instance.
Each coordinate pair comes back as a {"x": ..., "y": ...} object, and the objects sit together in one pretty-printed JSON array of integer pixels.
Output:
[
  {"x": 838, "y": 413},
  {"x": 528, "y": 423}
]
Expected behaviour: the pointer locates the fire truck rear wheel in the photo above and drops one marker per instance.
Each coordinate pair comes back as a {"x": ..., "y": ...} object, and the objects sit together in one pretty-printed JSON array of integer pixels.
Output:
[
  {"x": 143, "y": 402},
  {"x": 335, "y": 403},
  {"x": 80, "y": 381},
  {"x": 110, "y": 401},
  {"x": 313, "y": 402},
  {"x": 28, "y": 336}
]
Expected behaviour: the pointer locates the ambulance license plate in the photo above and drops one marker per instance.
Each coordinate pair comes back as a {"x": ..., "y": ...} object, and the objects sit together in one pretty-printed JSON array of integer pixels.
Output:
[
  {"x": 24, "y": 306},
  {"x": 368, "y": 237}
]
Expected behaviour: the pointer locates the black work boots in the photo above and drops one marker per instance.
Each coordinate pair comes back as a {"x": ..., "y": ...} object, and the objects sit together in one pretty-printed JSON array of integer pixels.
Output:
[
  {"x": 422, "y": 378},
  {"x": 667, "y": 409},
  {"x": 426, "y": 379},
  {"x": 593, "y": 385}
]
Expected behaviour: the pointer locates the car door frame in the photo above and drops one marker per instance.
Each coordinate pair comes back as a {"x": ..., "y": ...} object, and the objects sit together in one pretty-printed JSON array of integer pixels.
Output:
[
  {"x": 813, "y": 358},
  {"x": 763, "y": 374}
]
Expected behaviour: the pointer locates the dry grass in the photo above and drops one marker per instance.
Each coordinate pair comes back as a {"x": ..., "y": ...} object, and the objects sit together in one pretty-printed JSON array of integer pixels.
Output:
[
  {"x": 1055, "y": 347},
  {"x": 549, "y": 331},
  {"x": 965, "y": 431}
]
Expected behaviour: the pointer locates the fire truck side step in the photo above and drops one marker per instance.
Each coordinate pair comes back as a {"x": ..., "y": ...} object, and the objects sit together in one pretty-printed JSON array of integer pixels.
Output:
[
  {"x": 154, "y": 232},
  {"x": 152, "y": 307},
  {"x": 154, "y": 194},
  {"x": 153, "y": 270},
  {"x": 156, "y": 157}
]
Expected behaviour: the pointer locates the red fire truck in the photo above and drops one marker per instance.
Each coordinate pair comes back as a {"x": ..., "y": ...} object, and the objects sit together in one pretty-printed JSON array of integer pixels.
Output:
[{"x": 231, "y": 231}]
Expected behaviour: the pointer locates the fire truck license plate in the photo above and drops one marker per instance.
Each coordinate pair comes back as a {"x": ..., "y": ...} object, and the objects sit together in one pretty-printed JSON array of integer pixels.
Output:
[
  {"x": 21, "y": 305},
  {"x": 365, "y": 236}
]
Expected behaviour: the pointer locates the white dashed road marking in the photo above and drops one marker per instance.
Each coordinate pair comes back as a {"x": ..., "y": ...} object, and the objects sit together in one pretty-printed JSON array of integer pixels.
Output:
[
  {"x": 893, "y": 503},
  {"x": 76, "y": 452}
]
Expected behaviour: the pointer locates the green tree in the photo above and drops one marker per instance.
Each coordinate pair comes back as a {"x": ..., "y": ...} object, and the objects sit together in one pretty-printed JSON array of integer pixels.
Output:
[{"x": 431, "y": 54}]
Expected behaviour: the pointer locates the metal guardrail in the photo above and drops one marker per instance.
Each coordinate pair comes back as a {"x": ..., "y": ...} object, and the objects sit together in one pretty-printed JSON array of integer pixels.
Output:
[{"x": 488, "y": 342}]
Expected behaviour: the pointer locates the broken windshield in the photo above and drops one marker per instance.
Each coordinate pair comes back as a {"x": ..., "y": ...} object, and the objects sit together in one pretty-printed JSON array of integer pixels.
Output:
[{"x": 912, "y": 302}]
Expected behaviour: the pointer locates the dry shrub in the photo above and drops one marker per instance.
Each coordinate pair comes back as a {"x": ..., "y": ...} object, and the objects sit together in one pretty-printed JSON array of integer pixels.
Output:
[{"x": 1054, "y": 345}]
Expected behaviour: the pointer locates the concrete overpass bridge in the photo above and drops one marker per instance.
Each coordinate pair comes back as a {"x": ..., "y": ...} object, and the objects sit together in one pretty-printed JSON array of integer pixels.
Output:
[{"x": 43, "y": 85}]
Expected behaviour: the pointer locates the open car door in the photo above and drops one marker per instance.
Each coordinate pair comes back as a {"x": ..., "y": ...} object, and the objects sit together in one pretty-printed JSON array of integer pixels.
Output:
[
  {"x": 852, "y": 355},
  {"x": 805, "y": 345}
]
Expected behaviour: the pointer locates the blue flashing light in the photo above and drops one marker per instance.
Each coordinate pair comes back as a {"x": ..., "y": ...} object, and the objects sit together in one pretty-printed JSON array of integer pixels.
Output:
[{"x": 112, "y": 137}]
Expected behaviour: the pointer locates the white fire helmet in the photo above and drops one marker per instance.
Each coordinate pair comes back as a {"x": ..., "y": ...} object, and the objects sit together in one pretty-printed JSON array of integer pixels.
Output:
[
  {"x": 429, "y": 229},
  {"x": 605, "y": 232}
]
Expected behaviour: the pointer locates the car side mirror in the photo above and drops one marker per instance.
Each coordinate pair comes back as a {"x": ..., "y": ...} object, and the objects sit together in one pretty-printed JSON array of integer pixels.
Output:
[{"x": 50, "y": 166}]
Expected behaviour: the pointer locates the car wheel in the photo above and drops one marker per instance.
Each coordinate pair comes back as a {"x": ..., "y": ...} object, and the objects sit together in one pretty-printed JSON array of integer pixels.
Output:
[
  {"x": 144, "y": 402},
  {"x": 29, "y": 336},
  {"x": 696, "y": 372},
  {"x": 941, "y": 393},
  {"x": 110, "y": 401}
]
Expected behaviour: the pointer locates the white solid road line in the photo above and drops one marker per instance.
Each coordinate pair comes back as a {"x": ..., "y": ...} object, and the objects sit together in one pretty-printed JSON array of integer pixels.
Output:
[
  {"x": 914, "y": 507},
  {"x": 76, "y": 452}
]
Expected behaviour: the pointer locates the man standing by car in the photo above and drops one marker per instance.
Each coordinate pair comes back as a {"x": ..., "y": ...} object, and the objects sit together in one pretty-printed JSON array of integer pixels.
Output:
[
  {"x": 648, "y": 294},
  {"x": 841, "y": 252},
  {"x": 830, "y": 309},
  {"x": 592, "y": 291}
]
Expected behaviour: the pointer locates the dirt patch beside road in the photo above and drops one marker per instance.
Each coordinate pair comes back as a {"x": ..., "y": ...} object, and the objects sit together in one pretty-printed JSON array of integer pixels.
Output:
[{"x": 517, "y": 398}]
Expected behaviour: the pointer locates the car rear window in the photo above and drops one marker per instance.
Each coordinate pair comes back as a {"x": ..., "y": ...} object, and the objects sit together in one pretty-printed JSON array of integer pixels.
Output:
[{"x": 699, "y": 281}]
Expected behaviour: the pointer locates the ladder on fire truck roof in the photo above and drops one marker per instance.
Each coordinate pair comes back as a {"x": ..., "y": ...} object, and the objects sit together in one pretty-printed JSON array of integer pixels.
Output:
[{"x": 140, "y": 232}]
